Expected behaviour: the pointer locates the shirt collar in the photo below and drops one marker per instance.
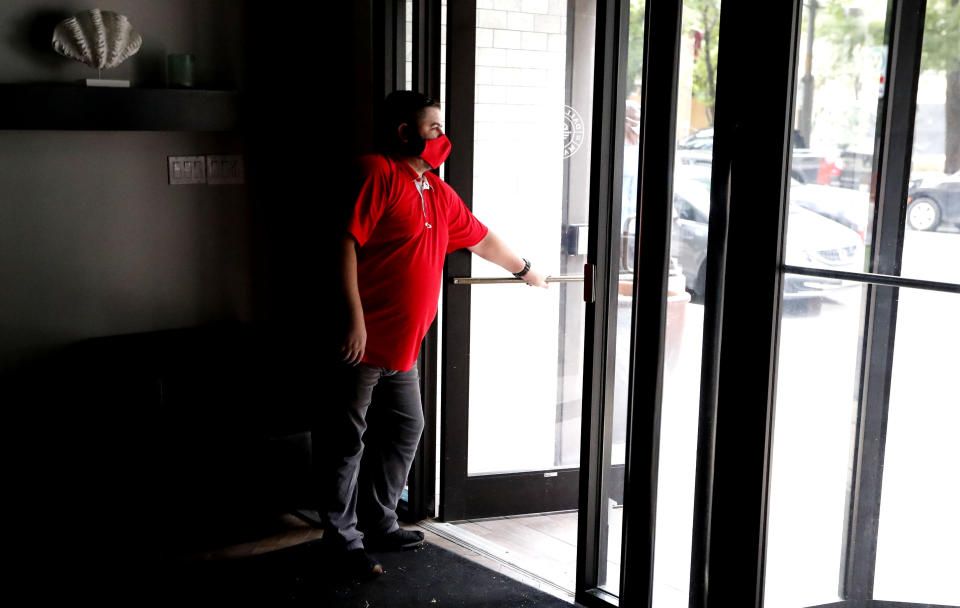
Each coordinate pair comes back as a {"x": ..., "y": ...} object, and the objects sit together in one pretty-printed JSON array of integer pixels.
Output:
[{"x": 404, "y": 167}]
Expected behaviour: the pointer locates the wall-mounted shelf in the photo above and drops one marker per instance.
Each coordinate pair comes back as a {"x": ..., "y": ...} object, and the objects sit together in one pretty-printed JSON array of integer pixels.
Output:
[{"x": 74, "y": 107}]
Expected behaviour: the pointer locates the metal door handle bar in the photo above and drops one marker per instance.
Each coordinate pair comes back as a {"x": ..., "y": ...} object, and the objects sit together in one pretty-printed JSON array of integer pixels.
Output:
[
  {"x": 495, "y": 280},
  {"x": 567, "y": 278}
]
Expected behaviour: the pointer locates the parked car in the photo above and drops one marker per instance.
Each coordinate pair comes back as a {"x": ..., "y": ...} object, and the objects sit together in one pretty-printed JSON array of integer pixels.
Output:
[
  {"x": 848, "y": 207},
  {"x": 932, "y": 200},
  {"x": 813, "y": 241},
  {"x": 844, "y": 205},
  {"x": 698, "y": 140},
  {"x": 808, "y": 166}
]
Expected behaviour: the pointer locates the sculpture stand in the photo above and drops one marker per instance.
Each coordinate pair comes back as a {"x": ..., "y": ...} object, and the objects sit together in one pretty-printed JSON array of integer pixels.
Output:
[
  {"x": 99, "y": 39},
  {"x": 104, "y": 82}
]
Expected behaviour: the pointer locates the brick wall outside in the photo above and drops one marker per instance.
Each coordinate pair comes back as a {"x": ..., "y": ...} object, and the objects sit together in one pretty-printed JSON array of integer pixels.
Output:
[{"x": 518, "y": 192}]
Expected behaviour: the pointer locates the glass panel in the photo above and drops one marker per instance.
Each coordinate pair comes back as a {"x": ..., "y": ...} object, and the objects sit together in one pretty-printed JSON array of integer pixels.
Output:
[
  {"x": 917, "y": 557},
  {"x": 407, "y": 83},
  {"x": 817, "y": 391},
  {"x": 839, "y": 84},
  {"x": 932, "y": 241},
  {"x": 443, "y": 72},
  {"x": 680, "y": 410},
  {"x": 611, "y": 535},
  {"x": 684, "y": 328},
  {"x": 534, "y": 91},
  {"x": 624, "y": 240},
  {"x": 815, "y": 426}
]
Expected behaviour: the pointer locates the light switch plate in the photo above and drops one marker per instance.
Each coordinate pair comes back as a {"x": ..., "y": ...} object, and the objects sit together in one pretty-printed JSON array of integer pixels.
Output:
[
  {"x": 187, "y": 170},
  {"x": 224, "y": 169}
]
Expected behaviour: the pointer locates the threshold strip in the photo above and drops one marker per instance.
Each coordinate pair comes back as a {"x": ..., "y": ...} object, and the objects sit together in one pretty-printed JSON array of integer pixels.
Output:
[{"x": 489, "y": 550}]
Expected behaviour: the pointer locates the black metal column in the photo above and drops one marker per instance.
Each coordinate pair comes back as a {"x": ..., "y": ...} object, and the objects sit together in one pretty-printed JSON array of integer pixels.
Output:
[
  {"x": 459, "y": 105},
  {"x": 654, "y": 216},
  {"x": 749, "y": 193},
  {"x": 894, "y": 154},
  {"x": 606, "y": 176},
  {"x": 388, "y": 46},
  {"x": 426, "y": 47},
  {"x": 426, "y": 74}
]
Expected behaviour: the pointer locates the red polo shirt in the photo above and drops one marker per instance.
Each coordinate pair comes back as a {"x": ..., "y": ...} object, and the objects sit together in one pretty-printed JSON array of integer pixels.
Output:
[{"x": 404, "y": 238}]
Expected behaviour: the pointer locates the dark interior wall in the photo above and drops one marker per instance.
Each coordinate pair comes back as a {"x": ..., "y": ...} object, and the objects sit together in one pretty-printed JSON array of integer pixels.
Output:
[
  {"x": 211, "y": 30},
  {"x": 306, "y": 77},
  {"x": 311, "y": 110},
  {"x": 93, "y": 241}
]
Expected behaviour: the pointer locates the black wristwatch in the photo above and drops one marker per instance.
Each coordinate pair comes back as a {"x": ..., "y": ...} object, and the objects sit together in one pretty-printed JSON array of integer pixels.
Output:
[{"x": 526, "y": 268}]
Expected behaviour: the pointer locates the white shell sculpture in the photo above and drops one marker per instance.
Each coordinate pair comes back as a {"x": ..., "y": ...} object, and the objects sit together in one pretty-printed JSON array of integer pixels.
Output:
[{"x": 100, "y": 39}]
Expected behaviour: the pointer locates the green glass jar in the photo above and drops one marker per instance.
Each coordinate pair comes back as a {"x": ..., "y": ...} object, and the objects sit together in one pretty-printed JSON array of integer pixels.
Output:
[{"x": 180, "y": 70}]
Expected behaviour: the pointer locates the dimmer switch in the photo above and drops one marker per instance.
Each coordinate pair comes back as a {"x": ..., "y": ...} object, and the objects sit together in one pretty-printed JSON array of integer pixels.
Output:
[{"x": 224, "y": 169}]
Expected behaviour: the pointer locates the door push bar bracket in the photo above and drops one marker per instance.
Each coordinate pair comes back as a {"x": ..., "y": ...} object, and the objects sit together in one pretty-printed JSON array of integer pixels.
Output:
[{"x": 589, "y": 281}]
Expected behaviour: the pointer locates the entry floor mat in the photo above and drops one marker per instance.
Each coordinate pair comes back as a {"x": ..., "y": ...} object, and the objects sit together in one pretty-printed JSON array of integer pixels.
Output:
[{"x": 308, "y": 574}]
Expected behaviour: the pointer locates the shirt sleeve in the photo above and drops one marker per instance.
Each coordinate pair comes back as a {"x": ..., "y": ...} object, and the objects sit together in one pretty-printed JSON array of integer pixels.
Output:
[
  {"x": 465, "y": 230},
  {"x": 370, "y": 201}
]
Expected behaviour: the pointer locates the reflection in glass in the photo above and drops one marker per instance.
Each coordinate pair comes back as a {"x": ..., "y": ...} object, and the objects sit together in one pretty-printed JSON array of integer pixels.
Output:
[
  {"x": 932, "y": 240},
  {"x": 840, "y": 84},
  {"x": 816, "y": 406},
  {"x": 532, "y": 109},
  {"x": 917, "y": 556},
  {"x": 684, "y": 326},
  {"x": 622, "y": 241},
  {"x": 407, "y": 81}
]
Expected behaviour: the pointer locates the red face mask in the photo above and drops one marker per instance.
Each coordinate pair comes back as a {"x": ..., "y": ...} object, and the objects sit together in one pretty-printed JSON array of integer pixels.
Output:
[{"x": 436, "y": 150}]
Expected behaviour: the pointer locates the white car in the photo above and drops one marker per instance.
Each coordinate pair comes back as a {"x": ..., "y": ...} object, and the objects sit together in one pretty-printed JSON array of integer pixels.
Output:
[{"x": 813, "y": 241}]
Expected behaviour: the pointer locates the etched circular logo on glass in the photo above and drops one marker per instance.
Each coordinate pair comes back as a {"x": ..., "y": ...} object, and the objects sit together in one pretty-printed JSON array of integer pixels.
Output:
[{"x": 572, "y": 131}]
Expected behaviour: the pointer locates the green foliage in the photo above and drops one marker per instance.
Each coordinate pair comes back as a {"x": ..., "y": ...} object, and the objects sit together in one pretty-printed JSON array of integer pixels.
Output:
[
  {"x": 845, "y": 31},
  {"x": 635, "y": 44},
  {"x": 941, "y": 36},
  {"x": 848, "y": 34},
  {"x": 849, "y": 37},
  {"x": 704, "y": 16},
  {"x": 852, "y": 41}
]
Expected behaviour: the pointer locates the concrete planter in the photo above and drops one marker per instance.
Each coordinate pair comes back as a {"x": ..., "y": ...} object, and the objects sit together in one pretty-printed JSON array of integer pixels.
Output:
[{"x": 677, "y": 300}]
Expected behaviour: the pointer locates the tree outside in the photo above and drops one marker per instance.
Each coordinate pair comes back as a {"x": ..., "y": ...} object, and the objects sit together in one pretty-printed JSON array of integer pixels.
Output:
[
  {"x": 849, "y": 48},
  {"x": 843, "y": 61}
]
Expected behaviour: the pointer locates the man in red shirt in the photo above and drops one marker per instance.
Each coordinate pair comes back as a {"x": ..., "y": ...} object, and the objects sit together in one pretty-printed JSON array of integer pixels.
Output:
[{"x": 404, "y": 222}]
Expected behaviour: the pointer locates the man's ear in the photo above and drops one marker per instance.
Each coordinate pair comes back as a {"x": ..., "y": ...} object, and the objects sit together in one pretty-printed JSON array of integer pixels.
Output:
[{"x": 402, "y": 132}]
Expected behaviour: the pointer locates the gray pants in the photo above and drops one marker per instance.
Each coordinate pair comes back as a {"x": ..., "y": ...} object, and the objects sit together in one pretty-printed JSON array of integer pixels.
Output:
[{"x": 373, "y": 433}]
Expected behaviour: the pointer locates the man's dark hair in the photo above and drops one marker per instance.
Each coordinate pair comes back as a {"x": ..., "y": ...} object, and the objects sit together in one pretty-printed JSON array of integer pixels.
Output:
[{"x": 402, "y": 107}]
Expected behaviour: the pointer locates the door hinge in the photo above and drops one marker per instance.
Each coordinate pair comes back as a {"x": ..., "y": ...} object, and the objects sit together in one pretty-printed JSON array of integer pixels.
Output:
[{"x": 589, "y": 276}]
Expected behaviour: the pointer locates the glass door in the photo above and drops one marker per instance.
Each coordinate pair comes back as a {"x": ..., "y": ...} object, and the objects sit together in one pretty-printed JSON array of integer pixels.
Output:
[
  {"x": 864, "y": 518},
  {"x": 829, "y": 464},
  {"x": 519, "y": 113},
  {"x": 824, "y": 295}
]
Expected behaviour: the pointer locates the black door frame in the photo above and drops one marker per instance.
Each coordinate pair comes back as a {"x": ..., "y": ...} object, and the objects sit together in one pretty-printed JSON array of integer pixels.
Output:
[
  {"x": 426, "y": 38},
  {"x": 736, "y": 421},
  {"x": 737, "y": 414},
  {"x": 463, "y": 496},
  {"x": 648, "y": 315}
]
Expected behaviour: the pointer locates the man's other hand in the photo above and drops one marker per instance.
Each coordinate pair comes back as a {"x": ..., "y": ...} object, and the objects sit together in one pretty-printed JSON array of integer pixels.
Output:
[
  {"x": 535, "y": 279},
  {"x": 355, "y": 342}
]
